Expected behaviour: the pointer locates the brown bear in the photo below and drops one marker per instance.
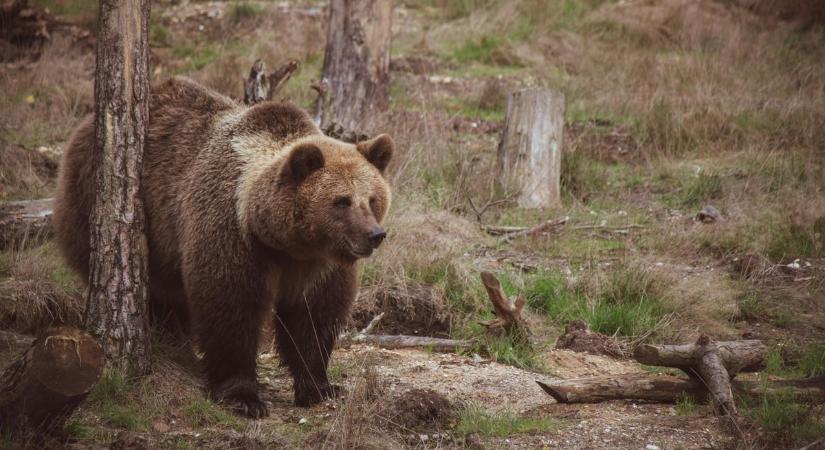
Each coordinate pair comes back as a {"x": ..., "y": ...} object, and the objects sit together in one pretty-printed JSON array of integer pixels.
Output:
[{"x": 247, "y": 208}]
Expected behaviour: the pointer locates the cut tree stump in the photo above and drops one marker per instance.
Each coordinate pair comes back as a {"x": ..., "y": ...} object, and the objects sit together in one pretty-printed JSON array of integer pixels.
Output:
[
  {"x": 356, "y": 61},
  {"x": 669, "y": 389},
  {"x": 25, "y": 223},
  {"x": 508, "y": 314},
  {"x": 529, "y": 153},
  {"x": 42, "y": 387}
]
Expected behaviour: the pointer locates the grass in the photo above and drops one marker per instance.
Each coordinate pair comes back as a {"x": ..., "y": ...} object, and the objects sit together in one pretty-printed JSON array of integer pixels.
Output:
[
  {"x": 113, "y": 398},
  {"x": 240, "y": 11},
  {"x": 785, "y": 421},
  {"x": 478, "y": 420},
  {"x": 685, "y": 405},
  {"x": 202, "y": 412},
  {"x": 812, "y": 362},
  {"x": 629, "y": 301}
]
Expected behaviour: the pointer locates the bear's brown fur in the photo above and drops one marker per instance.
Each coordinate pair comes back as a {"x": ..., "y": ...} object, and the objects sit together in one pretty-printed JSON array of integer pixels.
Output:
[{"x": 246, "y": 208}]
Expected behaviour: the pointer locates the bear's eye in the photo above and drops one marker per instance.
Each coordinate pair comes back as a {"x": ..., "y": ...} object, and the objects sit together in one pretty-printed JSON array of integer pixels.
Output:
[
  {"x": 373, "y": 201},
  {"x": 342, "y": 202}
]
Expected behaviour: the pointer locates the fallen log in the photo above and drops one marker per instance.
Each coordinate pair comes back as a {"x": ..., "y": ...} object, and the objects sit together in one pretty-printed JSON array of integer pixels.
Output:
[
  {"x": 669, "y": 389},
  {"x": 716, "y": 363},
  {"x": 42, "y": 387},
  {"x": 404, "y": 341},
  {"x": 736, "y": 356},
  {"x": 25, "y": 223}
]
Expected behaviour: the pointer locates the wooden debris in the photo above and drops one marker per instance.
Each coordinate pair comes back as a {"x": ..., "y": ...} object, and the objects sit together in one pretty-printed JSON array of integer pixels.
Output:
[
  {"x": 259, "y": 87},
  {"x": 13, "y": 342},
  {"x": 669, "y": 389},
  {"x": 42, "y": 387},
  {"x": 25, "y": 223},
  {"x": 508, "y": 314},
  {"x": 510, "y": 233},
  {"x": 404, "y": 341}
]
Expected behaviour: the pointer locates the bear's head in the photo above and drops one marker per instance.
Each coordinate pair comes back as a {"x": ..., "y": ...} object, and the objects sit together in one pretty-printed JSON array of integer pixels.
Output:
[{"x": 323, "y": 198}]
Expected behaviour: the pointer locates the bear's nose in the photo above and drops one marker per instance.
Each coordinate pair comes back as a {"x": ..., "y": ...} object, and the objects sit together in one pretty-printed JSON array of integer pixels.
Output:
[{"x": 376, "y": 237}]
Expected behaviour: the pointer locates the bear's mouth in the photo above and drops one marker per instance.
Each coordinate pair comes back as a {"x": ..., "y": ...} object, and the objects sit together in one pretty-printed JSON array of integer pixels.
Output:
[{"x": 356, "y": 252}]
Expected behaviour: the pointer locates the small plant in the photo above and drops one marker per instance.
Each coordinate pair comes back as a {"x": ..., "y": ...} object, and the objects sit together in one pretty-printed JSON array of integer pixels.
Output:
[
  {"x": 243, "y": 10},
  {"x": 812, "y": 363},
  {"x": 476, "y": 50},
  {"x": 685, "y": 405},
  {"x": 630, "y": 304},
  {"x": 784, "y": 420},
  {"x": 475, "y": 419}
]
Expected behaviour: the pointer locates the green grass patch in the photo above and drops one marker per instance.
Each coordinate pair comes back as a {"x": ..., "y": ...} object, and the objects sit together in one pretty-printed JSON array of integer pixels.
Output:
[
  {"x": 695, "y": 192},
  {"x": 195, "y": 56},
  {"x": 685, "y": 405},
  {"x": 202, "y": 412},
  {"x": 786, "y": 422},
  {"x": 240, "y": 11},
  {"x": 475, "y": 419},
  {"x": 628, "y": 303},
  {"x": 812, "y": 362},
  {"x": 789, "y": 240},
  {"x": 476, "y": 50},
  {"x": 113, "y": 398}
]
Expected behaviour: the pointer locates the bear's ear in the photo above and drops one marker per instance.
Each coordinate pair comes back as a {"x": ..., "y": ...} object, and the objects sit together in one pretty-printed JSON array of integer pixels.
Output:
[
  {"x": 302, "y": 161},
  {"x": 378, "y": 151}
]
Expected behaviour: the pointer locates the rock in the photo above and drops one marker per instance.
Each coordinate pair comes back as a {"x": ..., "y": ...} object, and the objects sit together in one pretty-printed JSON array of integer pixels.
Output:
[
  {"x": 651, "y": 447},
  {"x": 708, "y": 214}
]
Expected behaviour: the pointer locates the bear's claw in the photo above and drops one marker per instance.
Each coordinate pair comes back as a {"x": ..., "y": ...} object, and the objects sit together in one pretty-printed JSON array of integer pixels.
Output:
[
  {"x": 247, "y": 407},
  {"x": 309, "y": 396}
]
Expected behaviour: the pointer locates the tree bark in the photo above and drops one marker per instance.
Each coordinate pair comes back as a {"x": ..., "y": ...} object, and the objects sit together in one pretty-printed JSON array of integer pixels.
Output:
[
  {"x": 25, "y": 223},
  {"x": 45, "y": 384},
  {"x": 737, "y": 356},
  {"x": 117, "y": 292},
  {"x": 356, "y": 61},
  {"x": 669, "y": 389},
  {"x": 529, "y": 154}
]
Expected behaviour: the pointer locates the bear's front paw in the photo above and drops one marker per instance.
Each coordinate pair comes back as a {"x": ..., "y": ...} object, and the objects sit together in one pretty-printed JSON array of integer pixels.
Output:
[
  {"x": 241, "y": 396},
  {"x": 253, "y": 408},
  {"x": 311, "y": 395}
]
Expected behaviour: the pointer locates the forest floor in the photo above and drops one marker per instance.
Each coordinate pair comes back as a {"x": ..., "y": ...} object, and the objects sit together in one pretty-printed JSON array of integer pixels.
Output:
[{"x": 671, "y": 106}]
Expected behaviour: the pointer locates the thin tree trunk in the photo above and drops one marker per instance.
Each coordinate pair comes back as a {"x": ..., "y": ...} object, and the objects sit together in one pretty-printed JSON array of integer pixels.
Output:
[
  {"x": 529, "y": 154},
  {"x": 356, "y": 61},
  {"x": 117, "y": 293}
]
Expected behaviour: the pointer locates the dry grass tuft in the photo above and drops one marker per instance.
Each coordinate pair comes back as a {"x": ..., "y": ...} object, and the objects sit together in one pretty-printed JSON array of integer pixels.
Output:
[
  {"x": 37, "y": 290},
  {"x": 356, "y": 426}
]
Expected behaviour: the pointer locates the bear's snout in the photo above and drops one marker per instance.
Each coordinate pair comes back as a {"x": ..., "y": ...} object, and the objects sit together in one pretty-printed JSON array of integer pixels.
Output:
[{"x": 376, "y": 237}]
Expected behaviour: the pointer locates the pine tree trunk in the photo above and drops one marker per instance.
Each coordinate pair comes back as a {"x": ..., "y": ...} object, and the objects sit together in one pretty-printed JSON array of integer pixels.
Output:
[
  {"x": 116, "y": 310},
  {"x": 356, "y": 61},
  {"x": 529, "y": 154}
]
